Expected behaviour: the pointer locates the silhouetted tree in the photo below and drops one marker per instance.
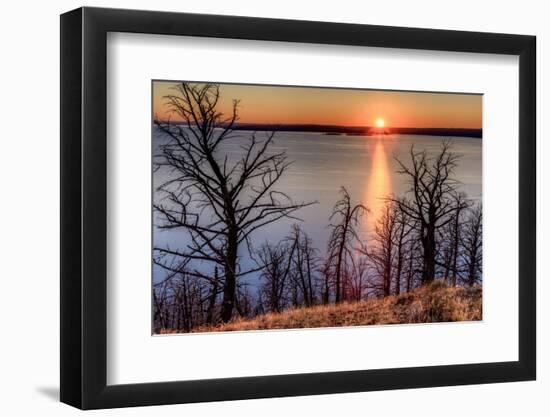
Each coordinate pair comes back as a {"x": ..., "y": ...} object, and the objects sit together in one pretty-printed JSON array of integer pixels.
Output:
[
  {"x": 345, "y": 219},
  {"x": 303, "y": 258},
  {"x": 403, "y": 229},
  {"x": 382, "y": 253},
  {"x": 451, "y": 236},
  {"x": 431, "y": 203},
  {"x": 413, "y": 263},
  {"x": 179, "y": 302},
  {"x": 275, "y": 262},
  {"x": 325, "y": 282},
  {"x": 243, "y": 301},
  {"x": 219, "y": 204},
  {"x": 212, "y": 297},
  {"x": 358, "y": 280},
  {"x": 472, "y": 245}
]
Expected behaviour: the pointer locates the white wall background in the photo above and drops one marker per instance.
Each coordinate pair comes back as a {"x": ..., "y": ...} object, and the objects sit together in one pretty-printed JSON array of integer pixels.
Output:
[{"x": 29, "y": 219}]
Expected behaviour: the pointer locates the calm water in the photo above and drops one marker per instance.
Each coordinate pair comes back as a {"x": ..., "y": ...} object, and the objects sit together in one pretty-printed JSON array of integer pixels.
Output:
[{"x": 365, "y": 165}]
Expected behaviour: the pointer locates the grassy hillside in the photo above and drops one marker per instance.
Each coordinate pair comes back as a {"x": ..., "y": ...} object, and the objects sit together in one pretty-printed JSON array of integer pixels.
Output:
[{"x": 434, "y": 303}]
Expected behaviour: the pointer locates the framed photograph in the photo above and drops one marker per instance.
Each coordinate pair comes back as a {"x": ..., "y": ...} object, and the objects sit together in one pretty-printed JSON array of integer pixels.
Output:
[{"x": 258, "y": 208}]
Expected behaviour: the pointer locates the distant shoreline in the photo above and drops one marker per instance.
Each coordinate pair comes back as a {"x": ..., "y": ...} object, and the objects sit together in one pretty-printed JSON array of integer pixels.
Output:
[
  {"x": 362, "y": 130},
  {"x": 359, "y": 130}
]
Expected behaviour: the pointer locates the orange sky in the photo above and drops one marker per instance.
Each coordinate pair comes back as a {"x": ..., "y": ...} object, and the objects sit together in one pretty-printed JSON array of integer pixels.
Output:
[{"x": 345, "y": 107}]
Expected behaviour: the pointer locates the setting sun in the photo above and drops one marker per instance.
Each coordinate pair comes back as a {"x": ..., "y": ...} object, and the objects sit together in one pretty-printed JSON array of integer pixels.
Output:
[{"x": 380, "y": 122}]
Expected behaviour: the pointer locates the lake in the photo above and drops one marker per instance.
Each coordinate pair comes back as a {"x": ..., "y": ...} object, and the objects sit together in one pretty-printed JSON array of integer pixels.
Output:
[{"x": 323, "y": 163}]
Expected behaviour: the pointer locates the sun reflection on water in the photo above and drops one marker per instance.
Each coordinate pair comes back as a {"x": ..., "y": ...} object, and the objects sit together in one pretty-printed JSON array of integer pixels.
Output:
[{"x": 379, "y": 184}]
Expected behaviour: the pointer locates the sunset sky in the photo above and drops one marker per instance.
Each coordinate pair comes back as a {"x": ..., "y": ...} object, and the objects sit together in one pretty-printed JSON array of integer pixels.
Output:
[{"x": 344, "y": 107}]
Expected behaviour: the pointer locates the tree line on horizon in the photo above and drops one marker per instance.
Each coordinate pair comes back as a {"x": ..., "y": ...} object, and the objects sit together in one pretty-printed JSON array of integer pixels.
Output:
[{"x": 432, "y": 232}]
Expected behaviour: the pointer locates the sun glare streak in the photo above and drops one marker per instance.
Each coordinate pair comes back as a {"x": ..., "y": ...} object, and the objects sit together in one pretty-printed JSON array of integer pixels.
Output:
[{"x": 379, "y": 183}]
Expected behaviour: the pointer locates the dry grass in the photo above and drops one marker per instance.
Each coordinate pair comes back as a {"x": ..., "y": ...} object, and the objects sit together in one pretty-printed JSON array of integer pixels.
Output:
[{"x": 429, "y": 304}]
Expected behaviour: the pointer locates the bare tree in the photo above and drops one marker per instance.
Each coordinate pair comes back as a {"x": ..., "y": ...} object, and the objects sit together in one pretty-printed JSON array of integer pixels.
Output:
[
  {"x": 180, "y": 302},
  {"x": 275, "y": 262},
  {"x": 345, "y": 219},
  {"x": 359, "y": 278},
  {"x": 382, "y": 253},
  {"x": 219, "y": 204},
  {"x": 432, "y": 189},
  {"x": 160, "y": 320},
  {"x": 243, "y": 301},
  {"x": 413, "y": 263},
  {"x": 451, "y": 236},
  {"x": 212, "y": 297},
  {"x": 404, "y": 227},
  {"x": 472, "y": 245},
  {"x": 325, "y": 282},
  {"x": 303, "y": 258}
]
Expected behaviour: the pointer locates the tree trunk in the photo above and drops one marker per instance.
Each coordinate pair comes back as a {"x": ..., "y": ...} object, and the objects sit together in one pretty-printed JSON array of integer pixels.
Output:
[
  {"x": 455, "y": 246},
  {"x": 338, "y": 273},
  {"x": 275, "y": 295},
  {"x": 428, "y": 243},
  {"x": 340, "y": 258},
  {"x": 387, "y": 280},
  {"x": 398, "y": 270},
  {"x": 326, "y": 291},
  {"x": 230, "y": 284},
  {"x": 309, "y": 281},
  {"x": 447, "y": 259},
  {"x": 471, "y": 275},
  {"x": 212, "y": 300},
  {"x": 399, "y": 260},
  {"x": 299, "y": 266},
  {"x": 410, "y": 272}
]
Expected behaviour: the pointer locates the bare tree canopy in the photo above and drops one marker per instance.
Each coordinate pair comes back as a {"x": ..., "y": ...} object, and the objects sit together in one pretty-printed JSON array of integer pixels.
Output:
[
  {"x": 219, "y": 204},
  {"x": 345, "y": 219},
  {"x": 431, "y": 200},
  {"x": 451, "y": 235},
  {"x": 387, "y": 254},
  {"x": 472, "y": 245}
]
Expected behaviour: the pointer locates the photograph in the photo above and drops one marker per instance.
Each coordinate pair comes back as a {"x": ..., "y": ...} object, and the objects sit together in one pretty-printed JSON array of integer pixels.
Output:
[{"x": 296, "y": 207}]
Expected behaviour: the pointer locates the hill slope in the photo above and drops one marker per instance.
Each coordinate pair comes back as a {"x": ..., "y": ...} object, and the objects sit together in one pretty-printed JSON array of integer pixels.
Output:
[{"x": 433, "y": 303}]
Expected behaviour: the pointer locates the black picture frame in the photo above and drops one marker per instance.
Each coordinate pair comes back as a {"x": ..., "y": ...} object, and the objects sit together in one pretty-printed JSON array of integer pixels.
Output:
[{"x": 84, "y": 207}]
